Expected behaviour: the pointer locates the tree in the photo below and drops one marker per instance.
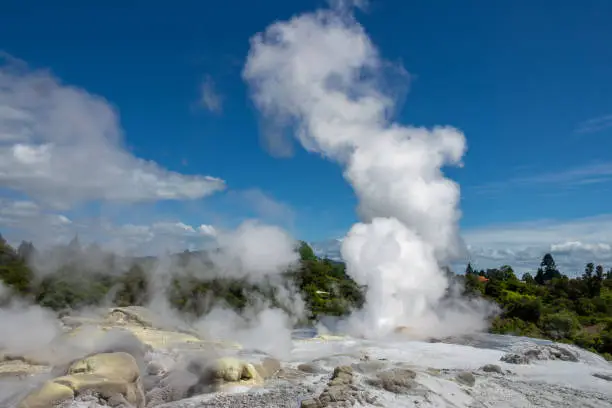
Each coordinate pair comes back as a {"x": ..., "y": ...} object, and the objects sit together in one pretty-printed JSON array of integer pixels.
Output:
[
  {"x": 26, "y": 250},
  {"x": 588, "y": 271},
  {"x": 527, "y": 278},
  {"x": 547, "y": 271},
  {"x": 469, "y": 270},
  {"x": 306, "y": 252},
  {"x": 593, "y": 279},
  {"x": 598, "y": 280}
]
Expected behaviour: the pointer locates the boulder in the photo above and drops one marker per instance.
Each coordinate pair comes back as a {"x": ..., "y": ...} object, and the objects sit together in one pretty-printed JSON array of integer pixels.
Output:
[
  {"x": 466, "y": 378},
  {"x": 492, "y": 368},
  {"x": 229, "y": 369},
  {"x": 47, "y": 396},
  {"x": 395, "y": 380},
  {"x": 268, "y": 367},
  {"x": 22, "y": 367},
  {"x": 109, "y": 375},
  {"x": 547, "y": 352}
]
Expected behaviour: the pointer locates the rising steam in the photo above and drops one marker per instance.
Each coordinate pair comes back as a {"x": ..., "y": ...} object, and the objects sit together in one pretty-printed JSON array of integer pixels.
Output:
[{"x": 320, "y": 73}]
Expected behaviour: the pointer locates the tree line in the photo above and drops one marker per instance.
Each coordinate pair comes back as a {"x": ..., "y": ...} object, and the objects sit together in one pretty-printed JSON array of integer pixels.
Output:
[{"x": 550, "y": 305}]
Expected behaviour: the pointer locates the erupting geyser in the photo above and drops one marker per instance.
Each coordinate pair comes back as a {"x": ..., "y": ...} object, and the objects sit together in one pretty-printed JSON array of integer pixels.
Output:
[{"x": 320, "y": 73}]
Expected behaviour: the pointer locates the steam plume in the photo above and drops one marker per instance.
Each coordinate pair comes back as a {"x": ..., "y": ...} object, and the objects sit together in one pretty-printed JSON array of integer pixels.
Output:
[{"x": 321, "y": 73}]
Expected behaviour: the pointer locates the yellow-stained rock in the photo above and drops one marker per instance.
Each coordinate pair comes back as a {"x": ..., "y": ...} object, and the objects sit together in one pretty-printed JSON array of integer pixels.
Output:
[
  {"x": 268, "y": 367},
  {"x": 116, "y": 366},
  {"x": 162, "y": 339},
  {"x": 325, "y": 337},
  {"x": 21, "y": 368},
  {"x": 230, "y": 369},
  {"x": 47, "y": 396},
  {"x": 106, "y": 387},
  {"x": 107, "y": 374}
]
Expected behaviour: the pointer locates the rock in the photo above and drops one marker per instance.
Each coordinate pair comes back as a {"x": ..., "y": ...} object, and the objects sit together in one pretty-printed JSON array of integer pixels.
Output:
[
  {"x": 342, "y": 375},
  {"x": 548, "y": 352},
  {"x": 120, "y": 366},
  {"x": 606, "y": 377},
  {"x": 340, "y": 392},
  {"x": 231, "y": 369},
  {"x": 268, "y": 367},
  {"x": 310, "y": 403},
  {"x": 110, "y": 375},
  {"x": 513, "y": 358},
  {"x": 466, "y": 378},
  {"x": 21, "y": 368},
  {"x": 48, "y": 395},
  {"x": 310, "y": 368},
  {"x": 492, "y": 368},
  {"x": 371, "y": 366},
  {"x": 396, "y": 380}
]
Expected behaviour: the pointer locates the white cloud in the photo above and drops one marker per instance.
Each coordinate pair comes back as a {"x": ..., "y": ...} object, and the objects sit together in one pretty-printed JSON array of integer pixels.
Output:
[
  {"x": 207, "y": 230},
  {"x": 210, "y": 97},
  {"x": 61, "y": 145},
  {"x": 32, "y": 222},
  {"x": 595, "y": 124},
  {"x": 25, "y": 220},
  {"x": 573, "y": 243}
]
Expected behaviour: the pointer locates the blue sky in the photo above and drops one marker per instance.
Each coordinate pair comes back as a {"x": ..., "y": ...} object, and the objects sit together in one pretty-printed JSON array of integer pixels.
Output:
[{"x": 529, "y": 85}]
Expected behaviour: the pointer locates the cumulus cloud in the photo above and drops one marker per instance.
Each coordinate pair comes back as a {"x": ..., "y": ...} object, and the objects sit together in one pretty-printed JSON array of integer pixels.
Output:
[
  {"x": 61, "y": 145},
  {"x": 321, "y": 74},
  {"x": 573, "y": 243},
  {"x": 210, "y": 98}
]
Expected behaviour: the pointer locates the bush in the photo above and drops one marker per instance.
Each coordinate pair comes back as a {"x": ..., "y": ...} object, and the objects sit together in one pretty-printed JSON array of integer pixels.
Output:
[{"x": 562, "y": 325}]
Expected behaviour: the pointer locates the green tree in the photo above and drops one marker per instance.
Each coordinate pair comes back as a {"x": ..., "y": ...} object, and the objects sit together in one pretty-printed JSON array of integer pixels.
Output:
[
  {"x": 306, "y": 252},
  {"x": 469, "y": 270},
  {"x": 527, "y": 278}
]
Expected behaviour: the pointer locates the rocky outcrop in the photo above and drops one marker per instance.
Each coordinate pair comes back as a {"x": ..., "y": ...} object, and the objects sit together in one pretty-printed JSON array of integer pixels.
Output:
[
  {"x": 107, "y": 376},
  {"x": 395, "y": 380},
  {"x": 492, "y": 368},
  {"x": 601, "y": 376},
  {"x": 127, "y": 358},
  {"x": 200, "y": 375},
  {"x": 341, "y": 391},
  {"x": 22, "y": 366},
  {"x": 534, "y": 353}
]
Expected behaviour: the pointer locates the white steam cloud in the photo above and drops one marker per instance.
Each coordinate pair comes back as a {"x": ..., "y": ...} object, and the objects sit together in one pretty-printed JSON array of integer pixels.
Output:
[
  {"x": 254, "y": 251},
  {"x": 321, "y": 73}
]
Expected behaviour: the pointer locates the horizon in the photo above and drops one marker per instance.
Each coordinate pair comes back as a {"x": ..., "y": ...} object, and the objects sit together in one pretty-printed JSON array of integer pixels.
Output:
[{"x": 156, "y": 142}]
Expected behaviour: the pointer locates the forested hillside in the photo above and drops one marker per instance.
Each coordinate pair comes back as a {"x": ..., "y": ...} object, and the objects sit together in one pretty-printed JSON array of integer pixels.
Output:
[
  {"x": 546, "y": 304},
  {"x": 549, "y": 304}
]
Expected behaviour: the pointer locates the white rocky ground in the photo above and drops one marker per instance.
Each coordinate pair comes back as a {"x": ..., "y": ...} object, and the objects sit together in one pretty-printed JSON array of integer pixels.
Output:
[{"x": 182, "y": 371}]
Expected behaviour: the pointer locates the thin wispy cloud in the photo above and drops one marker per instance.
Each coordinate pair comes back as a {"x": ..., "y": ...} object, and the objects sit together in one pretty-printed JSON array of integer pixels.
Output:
[
  {"x": 595, "y": 124},
  {"x": 210, "y": 98},
  {"x": 595, "y": 173}
]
